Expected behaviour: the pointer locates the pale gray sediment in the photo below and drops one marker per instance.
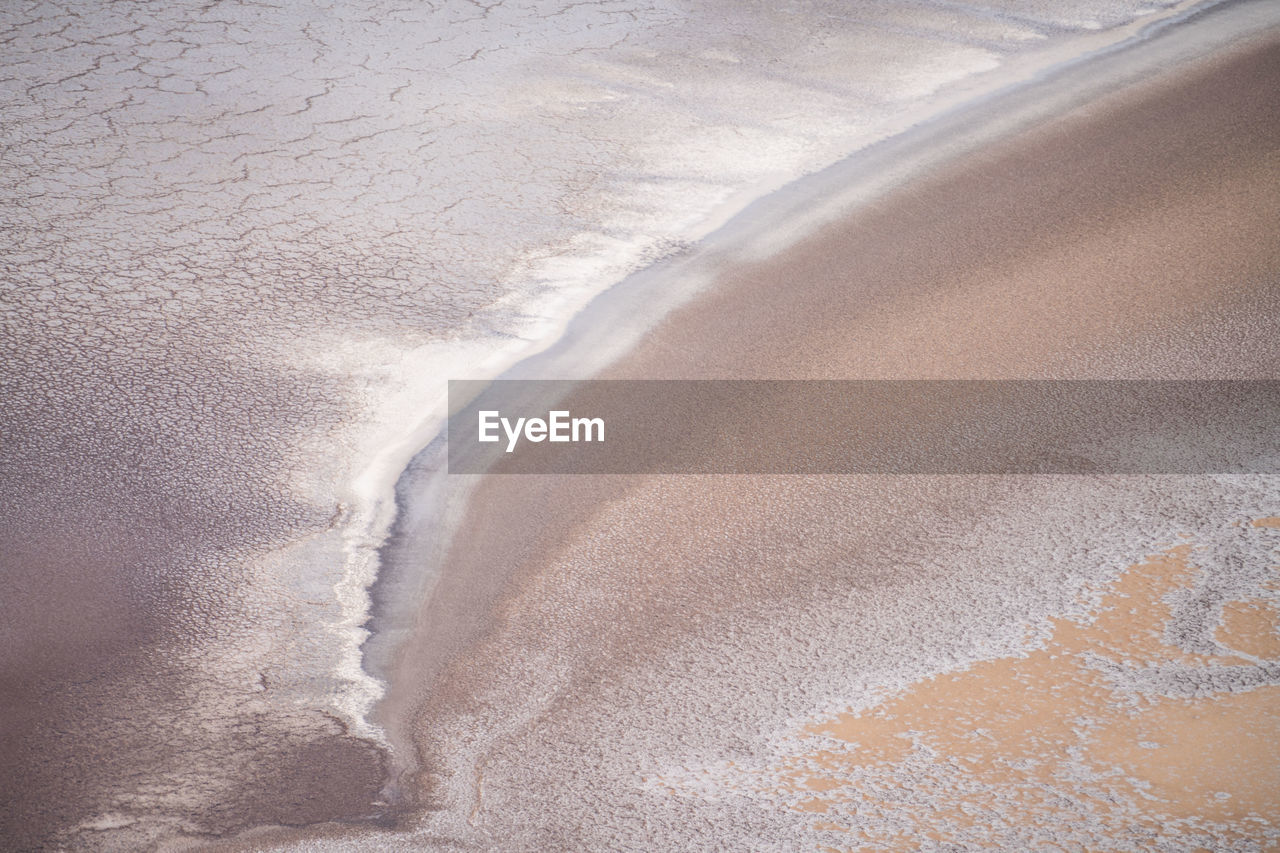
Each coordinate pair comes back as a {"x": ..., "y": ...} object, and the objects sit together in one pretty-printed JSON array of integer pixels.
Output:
[
  {"x": 216, "y": 277},
  {"x": 241, "y": 242},
  {"x": 141, "y": 478}
]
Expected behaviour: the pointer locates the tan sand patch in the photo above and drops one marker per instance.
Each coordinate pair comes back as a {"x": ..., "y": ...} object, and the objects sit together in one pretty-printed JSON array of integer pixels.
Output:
[
  {"x": 1052, "y": 738},
  {"x": 1018, "y": 727},
  {"x": 1250, "y": 627}
]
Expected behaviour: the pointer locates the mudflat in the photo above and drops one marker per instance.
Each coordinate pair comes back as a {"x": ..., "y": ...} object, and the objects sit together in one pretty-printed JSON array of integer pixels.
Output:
[{"x": 614, "y": 659}]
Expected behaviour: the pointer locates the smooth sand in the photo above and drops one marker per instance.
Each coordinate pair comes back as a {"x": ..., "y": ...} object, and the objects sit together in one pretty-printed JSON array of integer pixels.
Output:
[{"x": 571, "y": 651}]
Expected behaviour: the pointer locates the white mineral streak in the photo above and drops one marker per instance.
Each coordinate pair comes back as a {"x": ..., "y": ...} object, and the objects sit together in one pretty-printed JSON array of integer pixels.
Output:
[{"x": 364, "y": 198}]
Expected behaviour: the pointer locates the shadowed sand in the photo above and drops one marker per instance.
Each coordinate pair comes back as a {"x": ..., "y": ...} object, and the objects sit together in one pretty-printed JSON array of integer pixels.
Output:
[{"x": 596, "y": 644}]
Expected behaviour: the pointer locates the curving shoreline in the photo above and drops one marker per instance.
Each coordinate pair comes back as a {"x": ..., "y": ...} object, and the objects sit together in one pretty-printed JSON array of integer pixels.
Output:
[
  {"x": 218, "y": 669},
  {"x": 429, "y": 503},
  {"x": 614, "y": 322},
  {"x": 433, "y": 654}
]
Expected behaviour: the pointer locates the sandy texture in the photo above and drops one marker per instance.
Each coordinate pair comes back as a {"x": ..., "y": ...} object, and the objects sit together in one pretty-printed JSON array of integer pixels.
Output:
[
  {"x": 231, "y": 288},
  {"x": 596, "y": 645},
  {"x": 242, "y": 246},
  {"x": 1060, "y": 735}
]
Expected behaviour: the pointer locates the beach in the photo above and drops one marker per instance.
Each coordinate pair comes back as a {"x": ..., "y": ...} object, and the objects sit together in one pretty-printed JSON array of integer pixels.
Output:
[{"x": 250, "y": 609}]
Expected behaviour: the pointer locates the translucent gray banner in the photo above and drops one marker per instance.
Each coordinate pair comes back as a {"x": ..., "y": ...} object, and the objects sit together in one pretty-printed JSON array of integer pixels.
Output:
[{"x": 864, "y": 427}]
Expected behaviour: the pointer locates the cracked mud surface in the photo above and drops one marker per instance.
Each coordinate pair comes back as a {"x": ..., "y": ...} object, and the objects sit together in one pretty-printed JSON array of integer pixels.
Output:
[{"x": 241, "y": 240}]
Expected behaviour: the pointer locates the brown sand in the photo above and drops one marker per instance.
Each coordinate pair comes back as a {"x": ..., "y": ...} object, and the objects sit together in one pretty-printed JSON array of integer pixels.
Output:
[
  {"x": 1016, "y": 726},
  {"x": 1132, "y": 237},
  {"x": 1093, "y": 246}
]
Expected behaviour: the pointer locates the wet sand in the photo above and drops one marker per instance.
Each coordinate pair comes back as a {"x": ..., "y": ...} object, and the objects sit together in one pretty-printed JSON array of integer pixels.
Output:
[
  {"x": 123, "y": 603},
  {"x": 617, "y": 660}
]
